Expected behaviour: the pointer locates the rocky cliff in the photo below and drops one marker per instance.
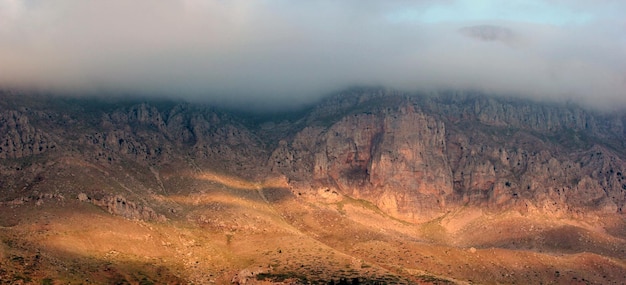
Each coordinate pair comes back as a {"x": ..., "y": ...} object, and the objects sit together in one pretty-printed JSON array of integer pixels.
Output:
[
  {"x": 414, "y": 156},
  {"x": 417, "y": 157}
]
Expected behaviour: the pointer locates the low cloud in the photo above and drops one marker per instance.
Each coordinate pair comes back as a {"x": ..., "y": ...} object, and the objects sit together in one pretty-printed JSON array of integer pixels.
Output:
[
  {"x": 488, "y": 33},
  {"x": 287, "y": 53}
]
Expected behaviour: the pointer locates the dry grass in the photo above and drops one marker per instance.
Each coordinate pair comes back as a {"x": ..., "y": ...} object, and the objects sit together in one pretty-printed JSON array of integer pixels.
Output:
[{"x": 226, "y": 227}]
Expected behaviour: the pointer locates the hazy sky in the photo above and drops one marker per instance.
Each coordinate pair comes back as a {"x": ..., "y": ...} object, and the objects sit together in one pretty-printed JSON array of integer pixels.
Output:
[{"x": 295, "y": 51}]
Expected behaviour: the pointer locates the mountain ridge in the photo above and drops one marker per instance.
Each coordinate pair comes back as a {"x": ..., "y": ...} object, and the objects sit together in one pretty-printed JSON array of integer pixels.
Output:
[
  {"x": 364, "y": 155},
  {"x": 208, "y": 134}
]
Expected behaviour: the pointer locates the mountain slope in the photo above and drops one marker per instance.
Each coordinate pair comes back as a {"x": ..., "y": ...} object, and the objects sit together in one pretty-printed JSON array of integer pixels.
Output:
[
  {"x": 370, "y": 184},
  {"x": 419, "y": 157}
]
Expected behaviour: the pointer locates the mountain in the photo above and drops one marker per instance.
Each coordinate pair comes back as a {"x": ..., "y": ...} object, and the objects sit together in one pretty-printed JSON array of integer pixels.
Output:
[{"x": 369, "y": 186}]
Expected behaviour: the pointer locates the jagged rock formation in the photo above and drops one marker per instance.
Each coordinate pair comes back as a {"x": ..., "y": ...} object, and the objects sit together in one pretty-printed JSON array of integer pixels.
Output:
[
  {"x": 413, "y": 156},
  {"x": 18, "y": 138},
  {"x": 118, "y": 205},
  {"x": 417, "y": 157}
]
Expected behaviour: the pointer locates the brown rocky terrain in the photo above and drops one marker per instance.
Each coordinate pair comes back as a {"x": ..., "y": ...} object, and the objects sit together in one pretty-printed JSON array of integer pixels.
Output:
[{"x": 370, "y": 186}]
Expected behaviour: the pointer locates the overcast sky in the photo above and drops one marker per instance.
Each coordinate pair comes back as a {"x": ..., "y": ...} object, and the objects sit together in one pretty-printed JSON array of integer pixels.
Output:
[{"x": 295, "y": 51}]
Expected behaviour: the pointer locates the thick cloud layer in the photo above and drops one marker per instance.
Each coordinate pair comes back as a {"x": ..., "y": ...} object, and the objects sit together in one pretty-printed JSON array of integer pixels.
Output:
[{"x": 287, "y": 52}]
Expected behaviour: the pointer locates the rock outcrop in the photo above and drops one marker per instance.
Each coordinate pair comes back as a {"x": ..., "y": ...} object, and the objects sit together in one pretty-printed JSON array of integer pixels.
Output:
[
  {"x": 418, "y": 157},
  {"x": 18, "y": 138},
  {"x": 120, "y": 206},
  {"x": 414, "y": 156}
]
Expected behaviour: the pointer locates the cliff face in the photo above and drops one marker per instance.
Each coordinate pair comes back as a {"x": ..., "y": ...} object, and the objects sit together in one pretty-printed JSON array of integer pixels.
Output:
[
  {"x": 418, "y": 157},
  {"x": 415, "y": 157},
  {"x": 396, "y": 159},
  {"x": 18, "y": 138}
]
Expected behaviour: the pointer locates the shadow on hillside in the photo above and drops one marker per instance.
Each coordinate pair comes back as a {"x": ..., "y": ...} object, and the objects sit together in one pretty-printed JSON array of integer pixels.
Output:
[
  {"x": 59, "y": 267},
  {"x": 564, "y": 239},
  {"x": 277, "y": 195}
]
